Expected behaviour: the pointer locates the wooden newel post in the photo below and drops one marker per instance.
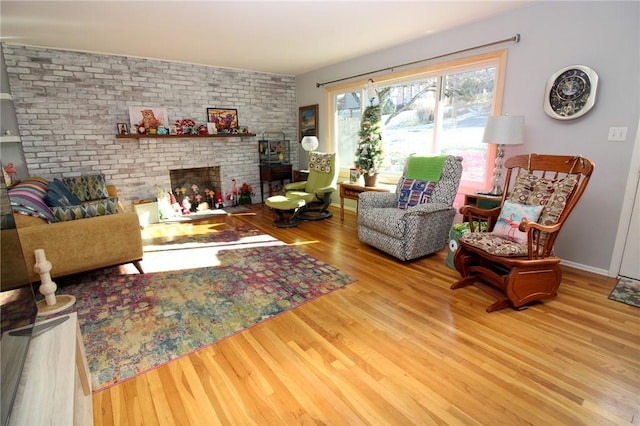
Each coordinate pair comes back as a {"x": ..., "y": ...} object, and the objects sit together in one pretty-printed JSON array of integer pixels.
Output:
[{"x": 48, "y": 287}]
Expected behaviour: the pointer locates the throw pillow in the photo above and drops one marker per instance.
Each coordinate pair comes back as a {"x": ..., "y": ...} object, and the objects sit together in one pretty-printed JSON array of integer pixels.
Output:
[
  {"x": 510, "y": 218},
  {"x": 87, "y": 188},
  {"x": 27, "y": 198},
  {"x": 414, "y": 192},
  {"x": 90, "y": 209},
  {"x": 59, "y": 195}
]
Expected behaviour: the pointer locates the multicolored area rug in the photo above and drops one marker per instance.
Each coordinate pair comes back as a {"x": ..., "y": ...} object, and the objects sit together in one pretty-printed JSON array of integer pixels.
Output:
[
  {"x": 135, "y": 322},
  {"x": 627, "y": 291}
]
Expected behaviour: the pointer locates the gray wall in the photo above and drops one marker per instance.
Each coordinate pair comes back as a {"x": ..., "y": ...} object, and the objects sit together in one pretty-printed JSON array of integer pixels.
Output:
[
  {"x": 602, "y": 35},
  {"x": 68, "y": 103}
]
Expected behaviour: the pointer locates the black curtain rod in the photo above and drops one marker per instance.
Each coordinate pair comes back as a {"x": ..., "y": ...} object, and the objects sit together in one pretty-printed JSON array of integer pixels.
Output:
[{"x": 515, "y": 39}]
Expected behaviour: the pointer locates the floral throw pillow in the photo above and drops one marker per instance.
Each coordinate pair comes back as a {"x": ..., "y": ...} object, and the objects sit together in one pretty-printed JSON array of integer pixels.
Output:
[
  {"x": 510, "y": 218},
  {"x": 414, "y": 192}
]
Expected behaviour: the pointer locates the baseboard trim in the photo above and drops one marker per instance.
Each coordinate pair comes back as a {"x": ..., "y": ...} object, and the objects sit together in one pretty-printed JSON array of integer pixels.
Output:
[{"x": 587, "y": 268}]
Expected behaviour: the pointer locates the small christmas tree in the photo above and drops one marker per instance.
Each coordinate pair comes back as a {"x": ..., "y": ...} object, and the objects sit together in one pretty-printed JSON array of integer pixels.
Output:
[
  {"x": 369, "y": 154},
  {"x": 369, "y": 150}
]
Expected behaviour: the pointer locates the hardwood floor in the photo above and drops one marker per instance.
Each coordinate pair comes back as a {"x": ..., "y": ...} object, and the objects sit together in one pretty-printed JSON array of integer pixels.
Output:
[{"x": 398, "y": 347}]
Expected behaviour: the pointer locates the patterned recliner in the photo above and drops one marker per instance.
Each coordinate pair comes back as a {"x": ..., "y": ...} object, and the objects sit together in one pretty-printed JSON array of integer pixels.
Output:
[{"x": 414, "y": 232}]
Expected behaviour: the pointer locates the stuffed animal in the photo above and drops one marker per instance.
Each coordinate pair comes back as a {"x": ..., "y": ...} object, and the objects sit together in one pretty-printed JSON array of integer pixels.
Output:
[{"x": 149, "y": 120}]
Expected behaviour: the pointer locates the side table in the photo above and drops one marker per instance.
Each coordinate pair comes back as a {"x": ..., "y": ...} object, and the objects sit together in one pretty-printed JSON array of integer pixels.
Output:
[
  {"x": 270, "y": 173},
  {"x": 482, "y": 200},
  {"x": 352, "y": 190}
]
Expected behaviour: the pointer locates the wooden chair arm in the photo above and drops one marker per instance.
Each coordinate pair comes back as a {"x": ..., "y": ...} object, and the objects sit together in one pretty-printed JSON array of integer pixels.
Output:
[
  {"x": 540, "y": 238},
  {"x": 474, "y": 214}
]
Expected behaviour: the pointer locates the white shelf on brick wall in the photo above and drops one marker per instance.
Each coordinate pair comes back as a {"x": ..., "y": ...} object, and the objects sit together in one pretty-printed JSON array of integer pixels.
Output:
[
  {"x": 8, "y": 138},
  {"x": 218, "y": 135}
]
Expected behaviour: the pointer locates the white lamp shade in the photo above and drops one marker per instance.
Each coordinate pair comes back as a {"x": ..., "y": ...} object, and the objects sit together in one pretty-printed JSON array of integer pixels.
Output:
[
  {"x": 309, "y": 143},
  {"x": 504, "y": 129}
]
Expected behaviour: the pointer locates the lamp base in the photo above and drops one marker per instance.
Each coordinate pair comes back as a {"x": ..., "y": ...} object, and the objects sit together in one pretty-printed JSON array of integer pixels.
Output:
[{"x": 496, "y": 191}]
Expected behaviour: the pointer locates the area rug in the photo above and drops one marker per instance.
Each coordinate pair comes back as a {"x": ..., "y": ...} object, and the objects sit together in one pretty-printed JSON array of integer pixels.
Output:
[
  {"x": 627, "y": 291},
  {"x": 135, "y": 322}
]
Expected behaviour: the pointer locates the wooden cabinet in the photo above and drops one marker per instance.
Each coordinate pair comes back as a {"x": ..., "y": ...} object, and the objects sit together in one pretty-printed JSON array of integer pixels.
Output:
[{"x": 273, "y": 173}]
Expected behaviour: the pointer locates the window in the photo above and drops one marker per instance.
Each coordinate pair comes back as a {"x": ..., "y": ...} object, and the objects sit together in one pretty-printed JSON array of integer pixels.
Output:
[{"x": 435, "y": 110}]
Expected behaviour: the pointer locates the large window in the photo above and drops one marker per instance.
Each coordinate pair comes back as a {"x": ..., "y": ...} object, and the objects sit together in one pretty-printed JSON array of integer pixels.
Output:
[{"x": 435, "y": 110}]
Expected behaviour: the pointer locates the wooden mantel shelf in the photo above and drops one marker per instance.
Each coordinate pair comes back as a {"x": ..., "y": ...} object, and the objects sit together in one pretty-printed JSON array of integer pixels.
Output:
[{"x": 218, "y": 135}]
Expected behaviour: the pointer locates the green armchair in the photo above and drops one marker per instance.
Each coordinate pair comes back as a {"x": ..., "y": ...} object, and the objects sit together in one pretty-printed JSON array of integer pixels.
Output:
[{"x": 310, "y": 199}]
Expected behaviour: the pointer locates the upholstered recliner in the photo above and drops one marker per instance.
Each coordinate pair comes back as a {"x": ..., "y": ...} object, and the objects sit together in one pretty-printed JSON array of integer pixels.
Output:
[
  {"x": 310, "y": 199},
  {"x": 415, "y": 221}
]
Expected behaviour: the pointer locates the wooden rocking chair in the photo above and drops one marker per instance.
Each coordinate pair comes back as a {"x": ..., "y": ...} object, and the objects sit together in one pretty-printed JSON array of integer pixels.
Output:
[{"x": 517, "y": 271}]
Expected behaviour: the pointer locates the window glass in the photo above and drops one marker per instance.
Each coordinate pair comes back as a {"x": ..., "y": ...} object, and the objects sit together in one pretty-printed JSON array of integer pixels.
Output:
[
  {"x": 348, "y": 109},
  {"x": 428, "y": 112}
]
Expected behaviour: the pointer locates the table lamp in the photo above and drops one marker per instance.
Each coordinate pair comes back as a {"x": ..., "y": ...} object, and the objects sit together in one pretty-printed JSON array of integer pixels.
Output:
[
  {"x": 502, "y": 130},
  {"x": 309, "y": 143}
]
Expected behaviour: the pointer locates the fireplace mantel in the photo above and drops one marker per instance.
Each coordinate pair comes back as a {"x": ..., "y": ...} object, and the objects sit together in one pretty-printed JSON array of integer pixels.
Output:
[{"x": 218, "y": 135}]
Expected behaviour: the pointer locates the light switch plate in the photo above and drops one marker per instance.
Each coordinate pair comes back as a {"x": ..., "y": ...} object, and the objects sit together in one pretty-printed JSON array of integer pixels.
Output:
[{"x": 617, "y": 133}]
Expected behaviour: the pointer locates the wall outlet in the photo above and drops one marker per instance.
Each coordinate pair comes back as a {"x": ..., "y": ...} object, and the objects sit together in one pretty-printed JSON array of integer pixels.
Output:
[{"x": 617, "y": 133}]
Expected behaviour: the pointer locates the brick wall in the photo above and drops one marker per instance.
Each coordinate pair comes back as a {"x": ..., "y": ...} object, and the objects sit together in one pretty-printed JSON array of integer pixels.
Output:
[{"x": 68, "y": 105}]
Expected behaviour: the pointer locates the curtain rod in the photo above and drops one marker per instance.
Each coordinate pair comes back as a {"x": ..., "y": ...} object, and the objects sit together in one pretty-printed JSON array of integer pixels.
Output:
[{"x": 515, "y": 39}]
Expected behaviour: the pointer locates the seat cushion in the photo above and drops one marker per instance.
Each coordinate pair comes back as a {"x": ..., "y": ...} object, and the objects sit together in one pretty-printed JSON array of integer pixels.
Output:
[
  {"x": 388, "y": 221},
  {"x": 495, "y": 244},
  {"x": 553, "y": 195},
  {"x": 280, "y": 202}
]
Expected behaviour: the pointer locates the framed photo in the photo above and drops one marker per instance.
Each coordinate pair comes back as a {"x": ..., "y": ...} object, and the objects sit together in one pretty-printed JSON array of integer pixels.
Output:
[
  {"x": 123, "y": 129},
  {"x": 308, "y": 121},
  {"x": 149, "y": 117},
  {"x": 225, "y": 119},
  {"x": 173, "y": 130}
]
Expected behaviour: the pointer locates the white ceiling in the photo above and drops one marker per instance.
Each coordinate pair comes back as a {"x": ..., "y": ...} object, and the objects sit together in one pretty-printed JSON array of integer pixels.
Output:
[{"x": 282, "y": 37}]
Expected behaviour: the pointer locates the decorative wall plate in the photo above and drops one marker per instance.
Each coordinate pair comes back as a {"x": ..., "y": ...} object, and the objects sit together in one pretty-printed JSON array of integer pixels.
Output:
[{"x": 571, "y": 92}]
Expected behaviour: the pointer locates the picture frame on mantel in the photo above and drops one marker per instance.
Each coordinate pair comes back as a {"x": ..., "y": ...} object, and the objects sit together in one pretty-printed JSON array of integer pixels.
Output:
[
  {"x": 149, "y": 117},
  {"x": 308, "y": 121},
  {"x": 225, "y": 119}
]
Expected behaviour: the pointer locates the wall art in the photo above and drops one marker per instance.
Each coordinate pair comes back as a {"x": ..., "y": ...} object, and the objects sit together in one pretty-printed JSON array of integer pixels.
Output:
[
  {"x": 308, "y": 121},
  {"x": 148, "y": 117},
  {"x": 225, "y": 119}
]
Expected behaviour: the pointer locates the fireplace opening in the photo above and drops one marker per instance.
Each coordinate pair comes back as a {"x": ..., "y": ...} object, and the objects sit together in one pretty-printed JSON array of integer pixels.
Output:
[{"x": 194, "y": 187}]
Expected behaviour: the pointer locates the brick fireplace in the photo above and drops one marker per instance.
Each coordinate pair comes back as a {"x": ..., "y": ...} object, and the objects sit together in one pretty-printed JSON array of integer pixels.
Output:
[{"x": 197, "y": 183}]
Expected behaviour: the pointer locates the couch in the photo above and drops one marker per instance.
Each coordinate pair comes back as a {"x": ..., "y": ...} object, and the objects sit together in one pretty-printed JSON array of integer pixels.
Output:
[{"x": 93, "y": 234}]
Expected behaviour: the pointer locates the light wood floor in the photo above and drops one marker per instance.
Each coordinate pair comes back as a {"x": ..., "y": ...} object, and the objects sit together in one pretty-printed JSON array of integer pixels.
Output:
[{"x": 398, "y": 347}]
